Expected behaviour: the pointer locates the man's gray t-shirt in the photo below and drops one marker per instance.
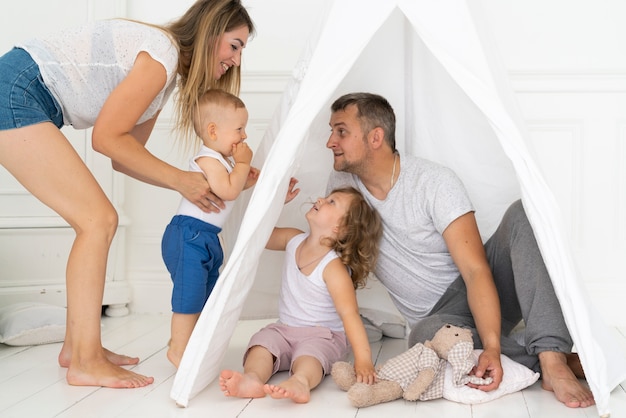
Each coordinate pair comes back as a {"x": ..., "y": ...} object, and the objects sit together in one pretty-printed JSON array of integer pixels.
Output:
[{"x": 414, "y": 264}]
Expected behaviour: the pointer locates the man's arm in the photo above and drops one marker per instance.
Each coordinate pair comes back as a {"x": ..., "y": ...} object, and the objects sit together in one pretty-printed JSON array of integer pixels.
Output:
[{"x": 468, "y": 253}]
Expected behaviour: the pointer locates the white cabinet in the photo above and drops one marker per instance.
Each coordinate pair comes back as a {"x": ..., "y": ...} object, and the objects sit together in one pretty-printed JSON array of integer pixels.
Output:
[{"x": 35, "y": 241}]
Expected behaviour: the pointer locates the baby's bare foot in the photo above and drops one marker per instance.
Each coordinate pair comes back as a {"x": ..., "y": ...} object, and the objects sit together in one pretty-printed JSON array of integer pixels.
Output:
[
  {"x": 174, "y": 357},
  {"x": 240, "y": 385},
  {"x": 559, "y": 378},
  {"x": 291, "y": 388}
]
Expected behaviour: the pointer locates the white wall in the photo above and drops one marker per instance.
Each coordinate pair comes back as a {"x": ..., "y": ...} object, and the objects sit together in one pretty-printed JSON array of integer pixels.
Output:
[
  {"x": 567, "y": 64},
  {"x": 566, "y": 60}
]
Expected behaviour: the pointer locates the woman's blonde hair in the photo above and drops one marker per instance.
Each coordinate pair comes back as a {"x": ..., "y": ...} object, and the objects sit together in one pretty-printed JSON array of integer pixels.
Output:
[
  {"x": 196, "y": 34},
  {"x": 359, "y": 238}
]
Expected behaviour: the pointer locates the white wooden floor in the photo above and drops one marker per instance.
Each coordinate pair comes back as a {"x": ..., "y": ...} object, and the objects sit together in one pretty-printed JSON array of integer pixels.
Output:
[{"x": 32, "y": 385}]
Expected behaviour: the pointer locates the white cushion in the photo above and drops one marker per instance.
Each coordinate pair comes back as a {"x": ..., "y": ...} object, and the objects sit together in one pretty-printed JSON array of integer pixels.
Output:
[
  {"x": 516, "y": 377},
  {"x": 389, "y": 324},
  {"x": 32, "y": 323}
]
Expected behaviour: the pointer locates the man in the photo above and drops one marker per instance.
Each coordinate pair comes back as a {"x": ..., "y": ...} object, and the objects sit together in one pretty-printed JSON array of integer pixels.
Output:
[{"x": 433, "y": 262}]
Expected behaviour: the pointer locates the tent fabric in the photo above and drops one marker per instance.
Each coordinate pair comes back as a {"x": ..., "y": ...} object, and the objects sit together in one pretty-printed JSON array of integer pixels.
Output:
[{"x": 453, "y": 106}]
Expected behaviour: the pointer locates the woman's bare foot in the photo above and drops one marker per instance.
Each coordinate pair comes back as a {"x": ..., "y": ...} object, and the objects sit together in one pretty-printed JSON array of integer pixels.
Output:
[
  {"x": 292, "y": 388},
  {"x": 240, "y": 385},
  {"x": 65, "y": 358},
  {"x": 559, "y": 378},
  {"x": 101, "y": 372}
]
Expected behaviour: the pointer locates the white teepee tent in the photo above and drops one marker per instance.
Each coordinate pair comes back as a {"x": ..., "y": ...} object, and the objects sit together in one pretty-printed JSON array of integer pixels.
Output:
[{"x": 453, "y": 106}]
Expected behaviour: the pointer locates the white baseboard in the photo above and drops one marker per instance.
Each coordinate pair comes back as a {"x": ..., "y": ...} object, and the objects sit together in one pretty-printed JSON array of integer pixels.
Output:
[
  {"x": 115, "y": 293},
  {"x": 151, "y": 296},
  {"x": 154, "y": 297}
]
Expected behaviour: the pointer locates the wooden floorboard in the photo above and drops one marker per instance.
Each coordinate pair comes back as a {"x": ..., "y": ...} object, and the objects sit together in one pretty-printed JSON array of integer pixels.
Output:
[{"x": 32, "y": 385}]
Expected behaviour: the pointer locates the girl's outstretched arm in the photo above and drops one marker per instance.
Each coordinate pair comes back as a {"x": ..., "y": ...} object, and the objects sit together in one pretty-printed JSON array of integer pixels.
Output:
[
  {"x": 341, "y": 289},
  {"x": 280, "y": 237}
]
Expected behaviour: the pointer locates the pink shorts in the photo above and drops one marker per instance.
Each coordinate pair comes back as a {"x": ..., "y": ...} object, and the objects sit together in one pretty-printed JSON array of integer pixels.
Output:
[{"x": 287, "y": 343}]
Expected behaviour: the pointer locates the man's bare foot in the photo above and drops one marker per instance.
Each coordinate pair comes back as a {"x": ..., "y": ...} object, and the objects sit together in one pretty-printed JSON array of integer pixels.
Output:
[
  {"x": 65, "y": 358},
  {"x": 101, "y": 372},
  {"x": 292, "y": 388},
  {"x": 240, "y": 385},
  {"x": 573, "y": 362},
  {"x": 559, "y": 378}
]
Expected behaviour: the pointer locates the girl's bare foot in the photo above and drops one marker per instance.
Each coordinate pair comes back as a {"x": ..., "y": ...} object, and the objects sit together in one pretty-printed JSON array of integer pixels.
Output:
[
  {"x": 240, "y": 385},
  {"x": 292, "y": 388},
  {"x": 559, "y": 378},
  {"x": 101, "y": 372},
  {"x": 65, "y": 358}
]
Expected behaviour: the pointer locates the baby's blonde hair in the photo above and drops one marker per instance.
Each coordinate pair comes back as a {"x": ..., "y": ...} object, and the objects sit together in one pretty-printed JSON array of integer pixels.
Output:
[{"x": 208, "y": 107}]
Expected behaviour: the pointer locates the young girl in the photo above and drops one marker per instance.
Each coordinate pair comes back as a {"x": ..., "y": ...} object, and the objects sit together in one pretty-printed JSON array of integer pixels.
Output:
[
  {"x": 317, "y": 307},
  {"x": 191, "y": 248},
  {"x": 115, "y": 75}
]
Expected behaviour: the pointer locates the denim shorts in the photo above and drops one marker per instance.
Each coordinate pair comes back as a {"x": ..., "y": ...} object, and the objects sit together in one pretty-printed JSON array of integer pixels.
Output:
[
  {"x": 193, "y": 255},
  {"x": 24, "y": 98}
]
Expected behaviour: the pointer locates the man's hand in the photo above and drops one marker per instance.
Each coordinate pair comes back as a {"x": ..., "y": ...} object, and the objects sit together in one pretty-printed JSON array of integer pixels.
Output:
[{"x": 489, "y": 365}]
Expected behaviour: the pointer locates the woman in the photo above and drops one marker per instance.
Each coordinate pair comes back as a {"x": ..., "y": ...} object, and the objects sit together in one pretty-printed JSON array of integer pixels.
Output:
[{"x": 116, "y": 76}]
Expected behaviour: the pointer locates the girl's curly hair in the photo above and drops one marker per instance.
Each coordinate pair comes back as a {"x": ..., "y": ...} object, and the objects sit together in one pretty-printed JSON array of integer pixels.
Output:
[{"x": 359, "y": 237}]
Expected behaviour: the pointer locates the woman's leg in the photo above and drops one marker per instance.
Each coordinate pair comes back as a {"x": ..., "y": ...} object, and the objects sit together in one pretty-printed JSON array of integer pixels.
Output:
[{"x": 43, "y": 161}]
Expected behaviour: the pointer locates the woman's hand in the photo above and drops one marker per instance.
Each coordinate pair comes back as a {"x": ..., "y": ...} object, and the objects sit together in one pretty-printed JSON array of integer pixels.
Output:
[{"x": 195, "y": 188}]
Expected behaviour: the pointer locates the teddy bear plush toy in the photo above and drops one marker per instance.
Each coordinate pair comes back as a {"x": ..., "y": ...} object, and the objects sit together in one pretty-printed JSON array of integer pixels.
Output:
[{"x": 416, "y": 374}]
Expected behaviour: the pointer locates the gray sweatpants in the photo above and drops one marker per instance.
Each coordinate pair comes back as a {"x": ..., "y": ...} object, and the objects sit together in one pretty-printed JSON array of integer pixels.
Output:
[{"x": 525, "y": 292}]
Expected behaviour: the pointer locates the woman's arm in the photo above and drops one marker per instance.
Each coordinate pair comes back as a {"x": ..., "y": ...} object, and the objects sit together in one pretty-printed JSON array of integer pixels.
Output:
[
  {"x": 117, "y": 135},
  {"x": 342, "y": 291}
]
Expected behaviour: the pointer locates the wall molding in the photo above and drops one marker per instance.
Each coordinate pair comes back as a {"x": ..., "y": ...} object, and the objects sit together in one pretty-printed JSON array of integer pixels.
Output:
[
  {"x": 573, "y": 129},
  {"x": 621, "y": 182},
  {"x": 591, "y": 81},
  {"x": 522, "y": 81},
  {"x": 264, "y": 82}
]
